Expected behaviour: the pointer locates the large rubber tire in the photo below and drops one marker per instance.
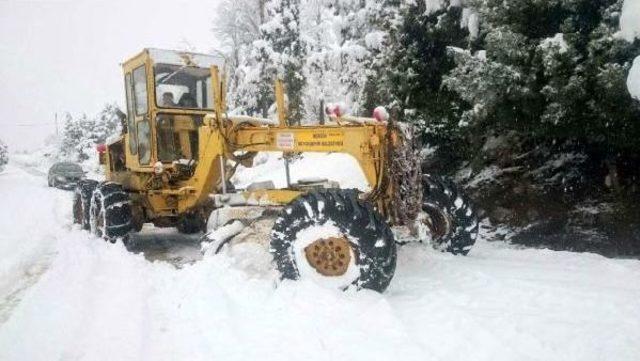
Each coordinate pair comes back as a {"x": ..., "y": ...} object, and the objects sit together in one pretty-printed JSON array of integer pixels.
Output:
[
  {"x": 191, "y": 223},
  {"x": 370, "y": 238},
  {"x": 110, "y": 212},
  {"x": 451, "y": 213},
  {"x": 82, "y": 202}
]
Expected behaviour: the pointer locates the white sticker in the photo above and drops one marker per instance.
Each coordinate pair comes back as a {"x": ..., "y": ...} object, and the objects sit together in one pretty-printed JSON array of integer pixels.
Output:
[{"x": 285, "y": 140}]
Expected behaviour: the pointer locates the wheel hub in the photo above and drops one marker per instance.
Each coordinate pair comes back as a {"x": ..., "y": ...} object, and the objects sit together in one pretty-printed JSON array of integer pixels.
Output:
[{"x": 329, "y": 256}]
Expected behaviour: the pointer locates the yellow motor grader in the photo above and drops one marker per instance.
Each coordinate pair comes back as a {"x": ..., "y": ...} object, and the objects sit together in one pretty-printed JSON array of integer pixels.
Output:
[{"x": 179, "y": 148}]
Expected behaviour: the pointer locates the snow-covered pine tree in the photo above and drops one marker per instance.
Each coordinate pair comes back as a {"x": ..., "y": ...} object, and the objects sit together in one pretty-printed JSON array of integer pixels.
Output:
[
  {"x": 280, "y": 52},
  {"x": 88, "y": 139},
  {"x": 4, "y": 155},
  {"x": 551, "y": 69},
  {"x": 71, "y": 137},
  {"x": 237, "y": 25},
  {"x": 80, "y": 135},
  {"x": 548, "y": 92},
  {"x": 338, "y": 42},
  {"x": 341, "y": 38},
  {"x": 610, "y": 110},
  {"x": 107, "y": 123},
  {"x": 414, "y": 62}
]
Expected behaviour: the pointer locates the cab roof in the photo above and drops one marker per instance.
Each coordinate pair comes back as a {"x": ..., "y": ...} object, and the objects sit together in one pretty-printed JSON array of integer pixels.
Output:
[{"x": 176, "y": 57}]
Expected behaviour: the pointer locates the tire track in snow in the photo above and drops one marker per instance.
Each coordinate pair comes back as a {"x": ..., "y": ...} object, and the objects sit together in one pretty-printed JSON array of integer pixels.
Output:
[{"x": 30, "y": 220}]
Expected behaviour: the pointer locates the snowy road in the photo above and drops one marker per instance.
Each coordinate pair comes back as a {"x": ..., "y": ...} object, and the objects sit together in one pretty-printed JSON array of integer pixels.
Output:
[{"x": 65, "y": 295}]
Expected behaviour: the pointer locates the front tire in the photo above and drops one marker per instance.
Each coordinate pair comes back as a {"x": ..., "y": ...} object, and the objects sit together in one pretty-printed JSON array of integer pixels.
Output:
[
  {"x": 336, "y": 239},
  {"x": 110, "y": 212},
  {"x": 448, "y": 219}
]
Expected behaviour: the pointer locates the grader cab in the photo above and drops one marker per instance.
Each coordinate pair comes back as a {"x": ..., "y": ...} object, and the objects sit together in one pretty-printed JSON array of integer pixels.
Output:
[{"x": 179, "y": 148}]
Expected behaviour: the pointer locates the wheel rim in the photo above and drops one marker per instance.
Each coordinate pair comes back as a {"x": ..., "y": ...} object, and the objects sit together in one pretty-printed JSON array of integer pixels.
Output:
[
  {"x": 436, "y": 221},
  {"x": 329, "y": 256}
]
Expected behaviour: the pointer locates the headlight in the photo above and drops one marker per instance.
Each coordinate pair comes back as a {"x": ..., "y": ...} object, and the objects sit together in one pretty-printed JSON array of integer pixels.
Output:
[{"x": 61, "y": 178}]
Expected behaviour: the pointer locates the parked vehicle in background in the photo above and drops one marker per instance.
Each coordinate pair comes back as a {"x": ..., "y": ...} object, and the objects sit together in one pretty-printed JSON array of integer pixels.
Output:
[{"x": 65, "y": 175}]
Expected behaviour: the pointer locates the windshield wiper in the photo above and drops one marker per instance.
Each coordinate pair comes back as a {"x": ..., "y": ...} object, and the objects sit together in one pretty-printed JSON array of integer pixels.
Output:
[{"x": 169, "y": 76}]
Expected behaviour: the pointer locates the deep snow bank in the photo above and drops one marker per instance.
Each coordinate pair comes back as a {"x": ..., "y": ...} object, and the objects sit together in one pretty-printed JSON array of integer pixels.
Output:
[
  {"x": 633, "y": 80},
  {"x": 96, "y": 301},
  {"x": 630, "y": 20}
]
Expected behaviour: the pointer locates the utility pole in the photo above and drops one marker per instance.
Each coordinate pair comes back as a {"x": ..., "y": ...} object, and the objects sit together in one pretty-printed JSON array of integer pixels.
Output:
[{"x": 56, "y": 120}]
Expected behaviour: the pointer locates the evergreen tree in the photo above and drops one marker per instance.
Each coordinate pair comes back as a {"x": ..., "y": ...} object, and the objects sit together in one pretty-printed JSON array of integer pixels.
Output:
[
  {"x": 237, "y": 25},
  {"x": 342, "y": 39},
  {"x": 281, "y": 53},
  {"x": 552, "y": 69},
  {"x": 80, "y": 135},
  {"x": 107, "y": 123},
  {"x": 4, "y": 155},
  {"x": 323, "y": 48},
  {"x": 414, "y": 62},
  {"x": 71, "y": 137}
]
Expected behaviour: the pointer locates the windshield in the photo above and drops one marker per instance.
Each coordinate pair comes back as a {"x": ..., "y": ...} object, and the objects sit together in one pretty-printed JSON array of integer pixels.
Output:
[{"x": 181, "y": 86}]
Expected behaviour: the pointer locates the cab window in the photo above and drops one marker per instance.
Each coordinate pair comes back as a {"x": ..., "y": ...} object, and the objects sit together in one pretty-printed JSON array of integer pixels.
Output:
[
  {"x": 144, "y": 142},
  {"x": 166, "y": 139},
  {"x": 177, "y": 138},
  {"x": 183, "y": 86},
  {"x": 131, "y": 117},
  {"x": 140, "y": 90}
]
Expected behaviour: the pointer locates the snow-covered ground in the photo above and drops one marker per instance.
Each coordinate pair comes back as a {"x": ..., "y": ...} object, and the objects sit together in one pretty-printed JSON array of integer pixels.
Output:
[{"x": 65, "y": 295}]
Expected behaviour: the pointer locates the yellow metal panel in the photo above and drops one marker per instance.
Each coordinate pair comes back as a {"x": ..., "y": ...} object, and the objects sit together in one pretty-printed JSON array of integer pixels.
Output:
[{"x": 363, "y": 142}]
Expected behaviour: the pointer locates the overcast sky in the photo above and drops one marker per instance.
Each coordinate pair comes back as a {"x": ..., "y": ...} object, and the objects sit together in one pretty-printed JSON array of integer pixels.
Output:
[{"x": 58, "y": 56}]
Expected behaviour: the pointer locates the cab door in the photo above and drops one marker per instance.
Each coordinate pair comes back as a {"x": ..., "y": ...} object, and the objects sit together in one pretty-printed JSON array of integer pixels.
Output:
[
  {"x": 140, "y": 144},
  {"x": 131, "y": 140}
]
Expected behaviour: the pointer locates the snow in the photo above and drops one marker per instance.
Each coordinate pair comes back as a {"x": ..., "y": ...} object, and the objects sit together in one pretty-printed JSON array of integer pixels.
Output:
[
  {"x": 432, "y": 6},
  {"x": 338, "y": 167},
  {"x": 375, "y": 39},
  {"x": 65, "y": 295},
  {"x": 471, "y": 21},
  {"x": 630, "y": 20},
  {"x": 555, "y": 41},
  {"x": 633, "y": 79}
]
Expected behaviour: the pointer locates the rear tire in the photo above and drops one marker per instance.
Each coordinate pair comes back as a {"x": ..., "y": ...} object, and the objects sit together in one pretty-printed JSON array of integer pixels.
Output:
[
  {"x": 82, "y": 202},
  {"x": 110, "y": 212},
  {"x": 322, "y": 221},
  {"x": 450, "y": 219}
]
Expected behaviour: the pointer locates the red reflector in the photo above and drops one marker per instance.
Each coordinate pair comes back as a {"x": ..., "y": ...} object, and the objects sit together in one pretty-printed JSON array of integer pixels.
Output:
[
  {"x": 101, "y": 148},
  {"x": 381, "y": 114}
]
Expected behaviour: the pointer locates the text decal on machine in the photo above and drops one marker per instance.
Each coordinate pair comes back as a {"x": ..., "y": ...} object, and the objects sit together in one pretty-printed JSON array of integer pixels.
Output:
[
  {"x": 321, "y": 141},
  {"x": 311, "y": 141},
  {"x": 285, "y": 140}
]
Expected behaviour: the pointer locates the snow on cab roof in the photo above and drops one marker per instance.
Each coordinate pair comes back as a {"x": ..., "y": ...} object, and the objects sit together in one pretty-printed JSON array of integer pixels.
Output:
[{"x": 175, "y": 57}]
